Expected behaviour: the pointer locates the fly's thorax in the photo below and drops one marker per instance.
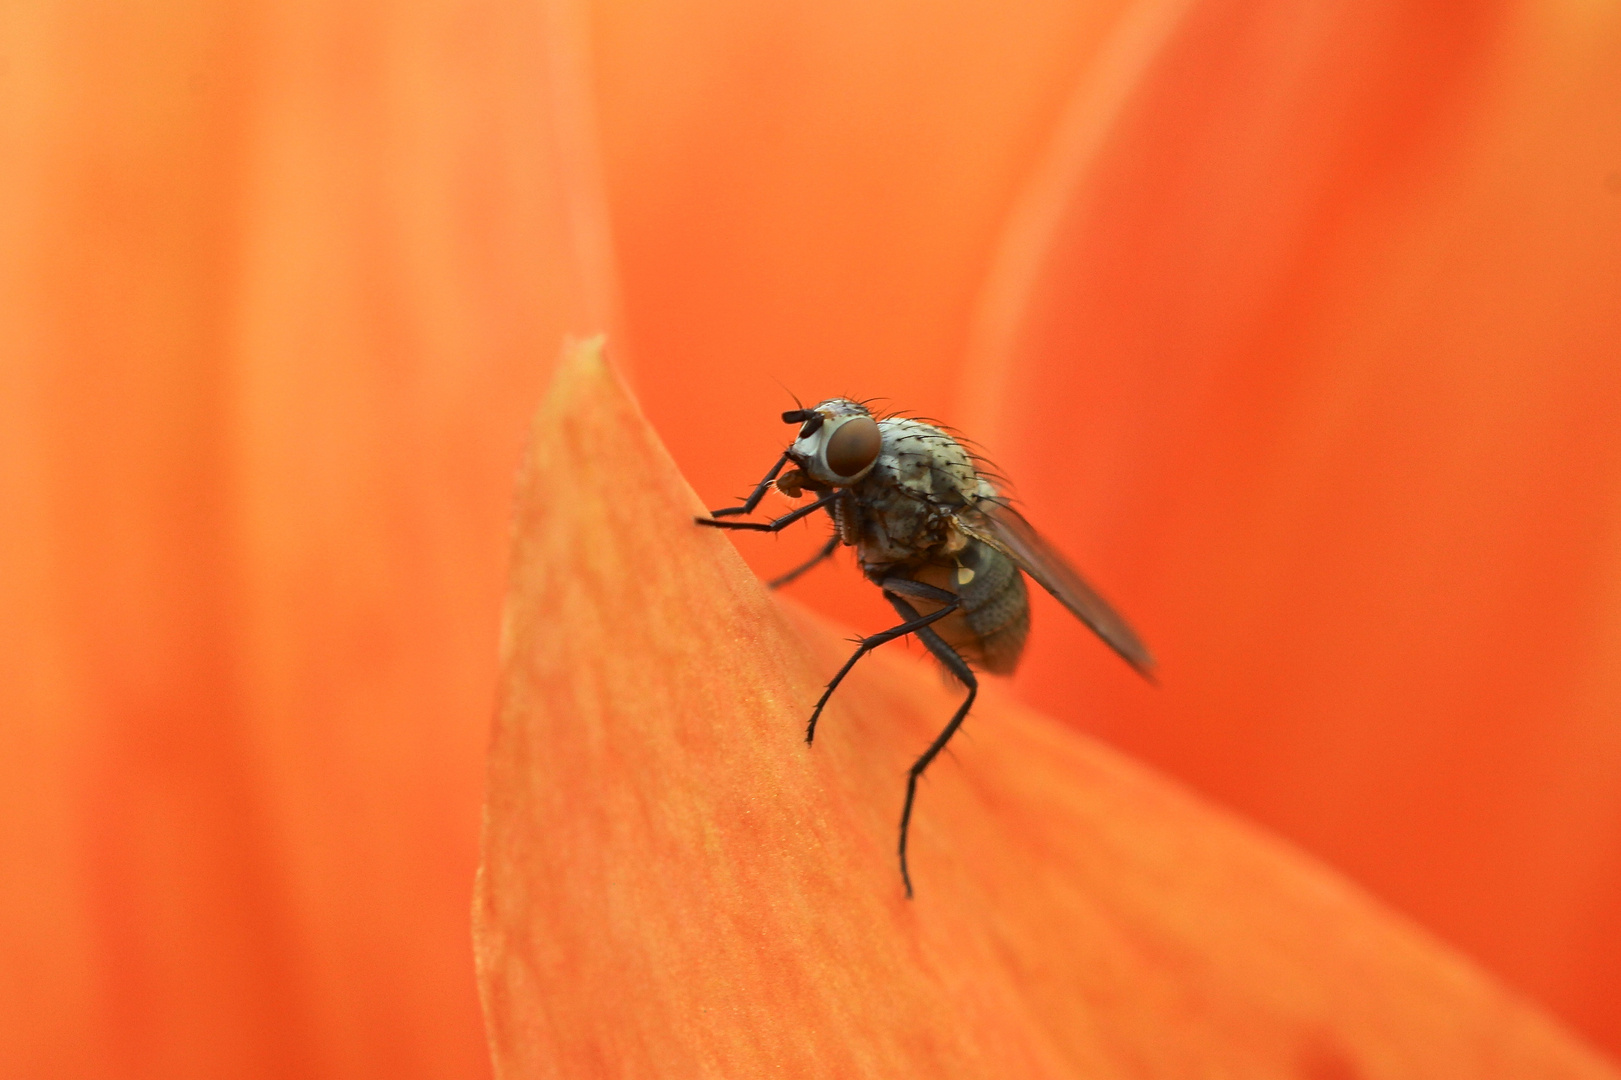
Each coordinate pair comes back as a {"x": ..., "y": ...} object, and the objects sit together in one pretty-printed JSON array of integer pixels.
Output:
[
  {"x": 905, "y": 504},
  {"x": 894, "y": 526},
  {"x": 926, "y": 462}
]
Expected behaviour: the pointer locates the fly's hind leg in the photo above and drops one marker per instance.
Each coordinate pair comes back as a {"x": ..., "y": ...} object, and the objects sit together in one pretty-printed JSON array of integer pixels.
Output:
[
  {"x": 959, "y": 667},
  {"x": 914, "y": 623}
]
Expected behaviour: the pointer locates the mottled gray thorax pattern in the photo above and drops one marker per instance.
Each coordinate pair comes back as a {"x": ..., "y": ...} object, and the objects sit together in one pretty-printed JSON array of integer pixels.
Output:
[{"x": 904, "y": 505}]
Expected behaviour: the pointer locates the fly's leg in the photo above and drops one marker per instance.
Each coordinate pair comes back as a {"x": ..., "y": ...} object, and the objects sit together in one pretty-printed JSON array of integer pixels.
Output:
[
  {"x": 775, "y": 524},
  {"x": 827, "y": 550},
  {"x": 759, "y": 493},
  {"x": 959, "y": 667},
  {"x": 778, "y": 524},
  {"x": 914, "y": 622}
]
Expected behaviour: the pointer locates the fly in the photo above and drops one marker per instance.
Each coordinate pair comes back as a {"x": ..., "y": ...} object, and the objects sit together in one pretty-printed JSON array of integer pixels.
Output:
[{"x": 932, "y": 532}]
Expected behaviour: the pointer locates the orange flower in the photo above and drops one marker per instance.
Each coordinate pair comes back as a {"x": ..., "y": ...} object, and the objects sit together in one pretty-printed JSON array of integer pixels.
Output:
[
  {"x": 675, "y": 884},
  {"x": 281, "y": 285},
  {"x": 276, "y": 280},
  {"x": 1297, "y": 325}
]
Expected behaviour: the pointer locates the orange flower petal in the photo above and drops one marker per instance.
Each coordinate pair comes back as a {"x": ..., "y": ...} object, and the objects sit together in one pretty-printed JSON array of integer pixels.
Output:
[
  {"x": 274, "y": 283},
  {"x": 674, "y": 884},
  {"x": 804, "y": 197},
  {"x": 1317, "y": 374}
]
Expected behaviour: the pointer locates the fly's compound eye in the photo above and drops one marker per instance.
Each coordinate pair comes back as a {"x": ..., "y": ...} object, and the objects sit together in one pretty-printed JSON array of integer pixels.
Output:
[{"x": 854, "y": 446}]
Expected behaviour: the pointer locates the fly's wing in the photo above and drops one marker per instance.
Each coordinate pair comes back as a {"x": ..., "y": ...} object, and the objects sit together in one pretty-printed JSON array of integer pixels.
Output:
[{"x": 1004, "y": 528}]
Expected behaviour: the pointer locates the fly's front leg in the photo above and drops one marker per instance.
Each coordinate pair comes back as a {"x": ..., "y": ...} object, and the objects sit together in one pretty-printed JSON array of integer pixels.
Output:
[
  {"x": 775, "y": 524},
  {"x": 914, "y": 623},
  {"x": 759, "y": 493},
  {"x": 955, "y": 664},
  {"x": 827, "y": 550}
]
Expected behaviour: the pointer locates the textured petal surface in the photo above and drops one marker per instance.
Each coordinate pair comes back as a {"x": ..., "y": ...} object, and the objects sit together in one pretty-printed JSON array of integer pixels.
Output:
[
  {"x": 674, "y": 884},
  {"x": 1315, "y": 370},
  {"x": 1300, "y": 338}
]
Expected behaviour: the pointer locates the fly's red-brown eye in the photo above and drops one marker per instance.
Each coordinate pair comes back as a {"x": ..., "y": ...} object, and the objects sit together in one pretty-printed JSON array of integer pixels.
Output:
[{"x": 854, "y": 446}]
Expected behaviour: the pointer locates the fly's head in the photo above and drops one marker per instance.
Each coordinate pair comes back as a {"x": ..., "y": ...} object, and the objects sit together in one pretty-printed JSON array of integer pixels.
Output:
[{"x": 837, "y": 445}]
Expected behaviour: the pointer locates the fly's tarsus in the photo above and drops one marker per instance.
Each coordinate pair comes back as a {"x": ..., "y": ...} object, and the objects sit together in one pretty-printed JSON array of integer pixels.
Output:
[{"x": 775, "y": 524}]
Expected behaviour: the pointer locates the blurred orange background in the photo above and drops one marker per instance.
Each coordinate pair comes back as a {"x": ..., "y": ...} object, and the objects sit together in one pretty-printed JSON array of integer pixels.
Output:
[{"x": 1296, "y": 326}]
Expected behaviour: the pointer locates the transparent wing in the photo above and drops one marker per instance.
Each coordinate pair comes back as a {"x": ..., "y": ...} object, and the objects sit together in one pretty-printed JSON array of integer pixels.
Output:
[{"x": 1004, "y": 528}]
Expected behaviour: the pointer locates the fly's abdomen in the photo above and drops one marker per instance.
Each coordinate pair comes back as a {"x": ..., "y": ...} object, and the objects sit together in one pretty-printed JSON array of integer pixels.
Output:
[
  {"x": 990, "y": 627},
  {"x": 996, "y": 607}
]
